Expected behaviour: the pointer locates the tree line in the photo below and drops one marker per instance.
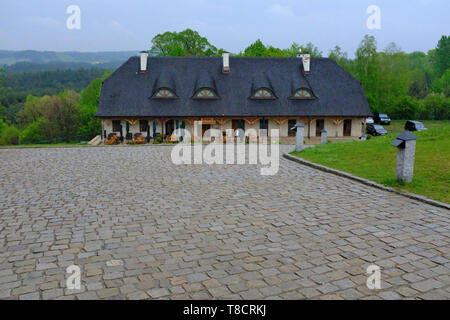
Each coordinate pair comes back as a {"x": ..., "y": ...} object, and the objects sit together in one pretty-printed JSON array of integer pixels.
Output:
[
  {"x": 406, "y": 85},
  {"x": 60, "y": 105},
  {"x": 63, "y": 117}
]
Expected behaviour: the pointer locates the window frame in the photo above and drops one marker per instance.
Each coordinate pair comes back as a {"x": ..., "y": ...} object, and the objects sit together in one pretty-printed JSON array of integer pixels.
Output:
[
  {"x": 272, "y": 97},
  {"x": 114, "y": 129},
  {"x": 154, "y": 96},
  {"x": 195, "y": 96},
  {"x": 312, "y": 96},
  {"x": 141, "y": 122},
  {"x": 292, "y": 133}
]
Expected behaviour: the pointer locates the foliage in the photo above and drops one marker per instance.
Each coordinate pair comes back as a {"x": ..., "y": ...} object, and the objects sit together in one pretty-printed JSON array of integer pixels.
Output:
[
  {"x": 159, "y": 139},
  {"x": 33, "y": 132},
  {"x": 50, "y": 117},
  {"x": 436, "y": 106},
  {"x": 184, "y": 43},
  {"x": 258, "y": 49},
  {"x": 441, "y": 56},
  {"x": 89, "y": 98},
  {"x": 18, "y": 86},
  {"x": 9, "y": 135}
]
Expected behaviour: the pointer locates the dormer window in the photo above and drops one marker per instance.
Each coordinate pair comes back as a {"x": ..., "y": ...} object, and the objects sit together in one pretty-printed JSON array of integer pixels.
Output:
[
  {"x": 205, "y": 93},
  {"x": 302, "y": 93},
  {"x": 263, "y": 93},
  {"x": 164, "y": 93}
]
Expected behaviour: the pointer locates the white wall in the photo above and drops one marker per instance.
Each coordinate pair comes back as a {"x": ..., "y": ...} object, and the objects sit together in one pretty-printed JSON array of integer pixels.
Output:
[{"x": 329, "y": 126}]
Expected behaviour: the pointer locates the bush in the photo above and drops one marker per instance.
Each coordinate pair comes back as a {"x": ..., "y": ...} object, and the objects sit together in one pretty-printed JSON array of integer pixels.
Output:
[
  {"x": 405, "y": 107},
  {"x": 159, "y": 139},
  {"x": 9, "y": 135},
  {"x": 32, "y": 133},
  {"x": 436, "y": 107}
]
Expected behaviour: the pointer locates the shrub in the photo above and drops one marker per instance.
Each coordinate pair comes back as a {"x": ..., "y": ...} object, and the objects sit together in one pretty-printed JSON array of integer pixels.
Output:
[
  {"x": 159, "y": 139},
  {"x": 32, "y": 133},
  {"x": 436, "y": 107},
  {"x": 9, "y": 135}
]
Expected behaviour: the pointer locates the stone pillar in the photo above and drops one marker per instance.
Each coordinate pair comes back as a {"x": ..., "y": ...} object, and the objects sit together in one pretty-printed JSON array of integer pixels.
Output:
[
  {"x": 323, "y": 136},
  {"x": 299, "y": 136},
  {"x": 405, "y": 161},
  {"x": 406, "y": 148}
]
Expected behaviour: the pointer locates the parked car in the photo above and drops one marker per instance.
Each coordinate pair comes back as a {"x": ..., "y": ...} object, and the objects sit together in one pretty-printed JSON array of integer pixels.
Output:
[
  {"x": 412, "y": 125},
  {"x": 381, "y": 118},
  {"x": 369, "y": 120},
  {"x": 375, "y": 130}
]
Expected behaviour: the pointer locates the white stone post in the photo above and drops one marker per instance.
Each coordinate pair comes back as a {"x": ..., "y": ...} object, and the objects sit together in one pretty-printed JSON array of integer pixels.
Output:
[
  {"x": 406, "y": 148},
  {"x": 299, "y": 136},
  {"x": 323, "y": 136}
]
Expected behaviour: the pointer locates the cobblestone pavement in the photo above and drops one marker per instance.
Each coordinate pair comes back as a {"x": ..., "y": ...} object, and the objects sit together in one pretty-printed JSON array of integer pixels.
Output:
[{"x": 140, "y": 227}]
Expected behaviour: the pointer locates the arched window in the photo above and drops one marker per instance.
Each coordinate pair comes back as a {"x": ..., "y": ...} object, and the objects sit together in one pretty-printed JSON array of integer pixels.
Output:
[
  {"x": 303, "y": 93},
  {"x": 263, "y": 93},
  {"x": 164, "y": 93},
  {"x": 205, "y": 93}
]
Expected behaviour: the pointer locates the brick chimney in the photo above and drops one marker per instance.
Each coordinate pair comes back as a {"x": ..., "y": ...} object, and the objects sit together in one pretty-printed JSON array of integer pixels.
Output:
[{"x": 144, "y": 55}]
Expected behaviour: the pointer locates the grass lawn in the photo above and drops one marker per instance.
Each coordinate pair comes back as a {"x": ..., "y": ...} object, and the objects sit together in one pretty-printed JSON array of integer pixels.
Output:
[
  {"x": 398, "y": 126},
  {"x": 375, "y": 159}
]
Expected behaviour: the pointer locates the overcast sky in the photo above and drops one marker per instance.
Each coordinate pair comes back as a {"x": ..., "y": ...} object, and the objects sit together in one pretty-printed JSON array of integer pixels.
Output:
[{"x": 113, "y": 25}]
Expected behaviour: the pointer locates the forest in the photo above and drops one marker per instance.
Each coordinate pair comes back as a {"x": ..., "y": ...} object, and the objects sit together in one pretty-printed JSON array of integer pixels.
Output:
[{"x": 59, "y": 105}]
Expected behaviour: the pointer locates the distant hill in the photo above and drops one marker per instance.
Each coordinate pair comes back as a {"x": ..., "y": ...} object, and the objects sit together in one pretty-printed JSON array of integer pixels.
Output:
[
  {"x": 29, "y": 67},
  {"x": 8, "y": 57}
]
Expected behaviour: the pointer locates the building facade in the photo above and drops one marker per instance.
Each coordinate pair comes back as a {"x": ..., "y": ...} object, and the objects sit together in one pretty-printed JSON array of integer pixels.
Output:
[{"x": 151, "y": 96}]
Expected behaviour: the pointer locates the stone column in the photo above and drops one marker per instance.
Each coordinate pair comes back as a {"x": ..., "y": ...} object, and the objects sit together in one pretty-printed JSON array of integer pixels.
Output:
[
  {"x": 406, "y": 148},
  {"x": 405, "y": 161},
  {"x": 323, "y": 136},
  {"x": 299, "y": 136}
]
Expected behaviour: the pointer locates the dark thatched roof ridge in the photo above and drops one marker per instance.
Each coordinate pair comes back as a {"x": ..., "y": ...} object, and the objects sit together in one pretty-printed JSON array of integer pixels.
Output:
[{"x": 125, "y": 93}]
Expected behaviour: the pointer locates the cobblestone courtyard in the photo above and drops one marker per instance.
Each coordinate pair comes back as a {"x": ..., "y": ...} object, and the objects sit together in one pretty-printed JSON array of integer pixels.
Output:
[{"x": 140, "y": 227}]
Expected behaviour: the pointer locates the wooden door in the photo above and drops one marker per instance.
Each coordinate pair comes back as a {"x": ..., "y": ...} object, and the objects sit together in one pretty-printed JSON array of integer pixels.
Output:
[
  {"x": 170, "y": 127},
  {"x": 347, "y": 127},
  {"x": 320, "y": 123},
  {"x": 205, "y": 127}
]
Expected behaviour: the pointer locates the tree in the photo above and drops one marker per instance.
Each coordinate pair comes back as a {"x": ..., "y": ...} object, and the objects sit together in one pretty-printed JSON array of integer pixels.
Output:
[
  {"x": 184, "y": 43},
  {"x": 312, "y": 49},
  {"x": 366, "y": 69},
  {"x": 9, "y": 135},
  {"x": 437, "y": 106},
  {"x": 33, "y": 133},
  {"x": 63, "y": 114},
  {"x": 256, "y": 49},
  {"x": 441, "y": 56},
  {"x": 89, "y": 98},
  {"x": 340, "y": 57},
  {"x": 1, "y": 71},
  {"x": 32, "y": 110},
  {"x": 295, "y": 48}
]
